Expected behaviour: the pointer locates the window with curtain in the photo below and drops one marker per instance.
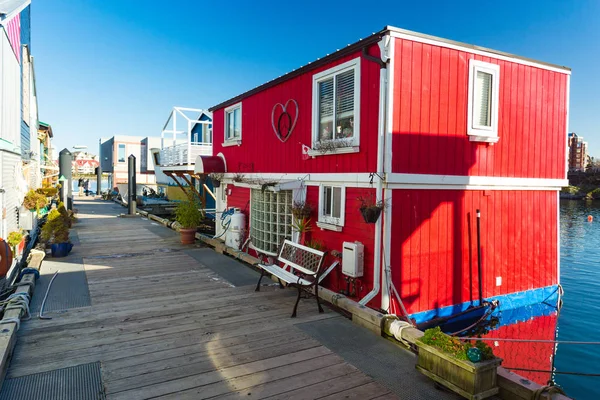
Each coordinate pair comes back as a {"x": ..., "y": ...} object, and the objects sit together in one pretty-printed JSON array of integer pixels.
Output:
[
  {"x": 336, "y": 108},
  {"x": 233, "y": 122},
  {"x": 483, "y": 100}
]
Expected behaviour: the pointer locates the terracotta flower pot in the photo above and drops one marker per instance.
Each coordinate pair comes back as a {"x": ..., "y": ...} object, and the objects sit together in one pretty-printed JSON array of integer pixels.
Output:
[{"x": 188, "y": 235}]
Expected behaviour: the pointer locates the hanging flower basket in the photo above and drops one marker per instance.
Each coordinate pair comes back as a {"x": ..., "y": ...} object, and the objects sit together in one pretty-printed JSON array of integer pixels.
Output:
[
  {"x": 371, "y": 214},
  {"x": 301, "y": 210}
]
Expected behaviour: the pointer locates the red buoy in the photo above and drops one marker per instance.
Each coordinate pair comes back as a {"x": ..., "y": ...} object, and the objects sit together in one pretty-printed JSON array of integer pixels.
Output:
[{"x": 590, "y": 218}]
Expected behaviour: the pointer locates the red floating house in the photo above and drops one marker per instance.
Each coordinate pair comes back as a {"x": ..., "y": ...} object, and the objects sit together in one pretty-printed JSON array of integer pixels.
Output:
[{"x": 432, "y": 129}]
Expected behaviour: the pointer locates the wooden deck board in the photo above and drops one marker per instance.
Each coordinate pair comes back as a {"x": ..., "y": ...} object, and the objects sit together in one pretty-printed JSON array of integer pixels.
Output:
[{"x": 166, "y": 326}]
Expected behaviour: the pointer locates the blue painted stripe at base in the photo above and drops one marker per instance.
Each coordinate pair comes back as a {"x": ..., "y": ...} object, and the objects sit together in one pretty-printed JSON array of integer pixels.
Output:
[{"x": 548, "y": 294}]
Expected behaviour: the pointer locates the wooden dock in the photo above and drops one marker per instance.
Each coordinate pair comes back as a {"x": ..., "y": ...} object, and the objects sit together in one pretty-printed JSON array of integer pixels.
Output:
[{"x": 165, "y": 326}]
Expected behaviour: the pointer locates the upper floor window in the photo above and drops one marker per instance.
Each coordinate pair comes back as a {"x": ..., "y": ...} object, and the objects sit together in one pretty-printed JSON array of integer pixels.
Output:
[
  {"x": 336, "y": 105},
  {"x": 484, "y": 87},
  {"x": 233, "y": 123},
  {"x": 121, "y": 155}
]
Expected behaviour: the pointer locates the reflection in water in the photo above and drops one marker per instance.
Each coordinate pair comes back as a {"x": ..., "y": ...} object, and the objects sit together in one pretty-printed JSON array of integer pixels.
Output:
[{"x": 578, "y": 319}]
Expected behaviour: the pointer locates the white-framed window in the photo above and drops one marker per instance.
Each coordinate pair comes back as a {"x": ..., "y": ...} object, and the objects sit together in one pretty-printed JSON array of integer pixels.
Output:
[
  {"x": 121, "y": 153},
  {"x": 336, "y": 105},
  {"x": 332, "y": 204},
  {"x": 270, "y": 219},
  {"x": 233, "y": 123},
  {"x": 484, "y": 88}
]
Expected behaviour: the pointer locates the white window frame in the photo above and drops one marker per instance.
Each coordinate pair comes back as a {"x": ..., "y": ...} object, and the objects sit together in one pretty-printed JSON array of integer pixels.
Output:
[
  {"x": 326, "y": 221},
  {"x": 321, "y": 76},
  {"x": 477, "y": 132},
  {"x": 232, "y": 141}
]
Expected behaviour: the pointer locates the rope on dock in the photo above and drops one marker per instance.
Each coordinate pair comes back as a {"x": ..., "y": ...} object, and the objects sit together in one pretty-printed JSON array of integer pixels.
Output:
[{"x": 530, "y": 340}]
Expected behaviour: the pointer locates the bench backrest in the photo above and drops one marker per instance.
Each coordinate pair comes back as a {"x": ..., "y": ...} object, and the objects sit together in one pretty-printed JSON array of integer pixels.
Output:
[{"x": 301, "y": 258}]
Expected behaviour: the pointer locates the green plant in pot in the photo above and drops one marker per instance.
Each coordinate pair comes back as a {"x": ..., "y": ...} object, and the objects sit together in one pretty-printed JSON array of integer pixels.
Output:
[
  {"x": 55, "y": 232},
  {"x": 189, "y": 216},
  {"x": 466, "y": 368},
  {"x": 34, "y": 201},
  {"x": 14, "y": 239}
]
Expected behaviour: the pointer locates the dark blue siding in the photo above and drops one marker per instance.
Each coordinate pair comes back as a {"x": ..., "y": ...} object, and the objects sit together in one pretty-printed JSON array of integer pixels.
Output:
[{"x": 26, "y": 27}]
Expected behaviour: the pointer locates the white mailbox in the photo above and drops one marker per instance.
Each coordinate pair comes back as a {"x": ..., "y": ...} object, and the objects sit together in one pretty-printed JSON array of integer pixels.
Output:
[{"x": 353, "y": 259}]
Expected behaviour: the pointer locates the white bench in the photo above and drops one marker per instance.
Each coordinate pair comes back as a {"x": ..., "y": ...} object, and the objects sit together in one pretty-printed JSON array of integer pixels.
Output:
[{"x": 304, "y": 264}]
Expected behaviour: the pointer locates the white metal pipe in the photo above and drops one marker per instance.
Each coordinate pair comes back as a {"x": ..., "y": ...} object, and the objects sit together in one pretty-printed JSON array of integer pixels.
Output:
[
  {"x": 379, "y": 186},
  {"x": 386, "y": 276},
  {"x": 189, "y": 143}
]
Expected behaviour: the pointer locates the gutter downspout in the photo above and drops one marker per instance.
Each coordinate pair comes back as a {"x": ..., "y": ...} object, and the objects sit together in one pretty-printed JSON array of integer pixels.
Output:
[{"x": 383, "y": 45}]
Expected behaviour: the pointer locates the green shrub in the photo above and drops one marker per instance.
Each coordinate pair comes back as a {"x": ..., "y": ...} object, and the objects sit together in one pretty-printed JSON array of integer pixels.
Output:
[
  {"x": 14, "y": 238},
  {"x": 47, "y": 191},
  {"x": 34, "y": 200},
  {"x": 448, "y": 344},
  {"x": 570, "y": 190},
  {"x": 56, "y": 228},
  {"x": 594, "y": 194},
  {"x": 188, "y": 214}
]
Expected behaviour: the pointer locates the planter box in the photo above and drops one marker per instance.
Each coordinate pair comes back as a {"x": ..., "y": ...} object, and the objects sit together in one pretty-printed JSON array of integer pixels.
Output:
[{"x": 473, "y": 381}]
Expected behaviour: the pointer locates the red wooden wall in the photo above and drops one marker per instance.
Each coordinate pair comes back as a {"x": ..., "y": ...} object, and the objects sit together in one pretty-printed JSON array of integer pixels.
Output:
[
  {"x": 262, "y": 151},
  {"x": 355, "y": 229},
  {"x": 430, "y": 117},
  {"x": 434, "y": 248}
]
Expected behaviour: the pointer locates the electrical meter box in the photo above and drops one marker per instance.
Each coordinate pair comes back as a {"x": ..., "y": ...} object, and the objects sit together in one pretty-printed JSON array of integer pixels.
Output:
[{"x": 353, "y": 259}]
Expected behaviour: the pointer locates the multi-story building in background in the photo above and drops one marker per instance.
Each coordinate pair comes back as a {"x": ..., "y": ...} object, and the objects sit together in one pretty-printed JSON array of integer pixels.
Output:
[
  {"x": 577, "y": 152},
  {"x": 114, "y": 153}
]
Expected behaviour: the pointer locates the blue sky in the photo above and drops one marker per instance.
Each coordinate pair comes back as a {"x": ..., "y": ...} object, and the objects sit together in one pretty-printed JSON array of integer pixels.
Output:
[{"x": 118, "y": 66}]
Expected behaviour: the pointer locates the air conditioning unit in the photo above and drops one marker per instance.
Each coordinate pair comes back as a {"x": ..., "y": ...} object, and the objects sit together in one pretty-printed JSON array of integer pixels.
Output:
[{"x": 353, "y": 259}]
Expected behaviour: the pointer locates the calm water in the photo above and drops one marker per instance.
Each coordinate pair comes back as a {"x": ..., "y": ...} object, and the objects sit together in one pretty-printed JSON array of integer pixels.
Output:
[{"x": 579, "y": 318}]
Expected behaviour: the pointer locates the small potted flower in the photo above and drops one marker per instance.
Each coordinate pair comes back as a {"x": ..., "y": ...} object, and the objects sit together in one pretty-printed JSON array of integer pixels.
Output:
[
  {"x": 189, "y": 216},
  {"x": 370, "y": 209}
]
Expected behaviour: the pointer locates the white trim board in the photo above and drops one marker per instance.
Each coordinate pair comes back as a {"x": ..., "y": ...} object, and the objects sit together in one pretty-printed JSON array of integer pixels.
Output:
[
  {"x": 469, "y": 182},
  {"x": 411, "y": 181},
  {"x": 480, "y": 52}
]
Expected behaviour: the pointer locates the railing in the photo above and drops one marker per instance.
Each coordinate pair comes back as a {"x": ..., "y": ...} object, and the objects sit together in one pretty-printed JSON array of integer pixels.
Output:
[{"x": 184, "y": 154}]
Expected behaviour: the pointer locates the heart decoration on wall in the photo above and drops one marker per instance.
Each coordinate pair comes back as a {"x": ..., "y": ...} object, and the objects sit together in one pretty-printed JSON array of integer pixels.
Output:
[{"x": 284, "y": 118}]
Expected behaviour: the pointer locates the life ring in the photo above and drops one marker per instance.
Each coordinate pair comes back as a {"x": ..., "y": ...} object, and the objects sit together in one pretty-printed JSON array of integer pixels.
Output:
[{"x": 6, "y": 257}]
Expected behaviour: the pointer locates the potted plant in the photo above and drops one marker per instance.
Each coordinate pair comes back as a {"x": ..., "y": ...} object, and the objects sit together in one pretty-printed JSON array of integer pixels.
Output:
[
  {"x": 301, "y": 209},
  {"x": 467, "y": 369},
  {"x": 189, "y": 216},
  {"x": 216, "y": 178},
  {"x": 302, "y": 226},
  {"x": 14, "y": 240},
  {"x": 56, "y": 232},
  {"x": 370, "y": 209},
  {"x": 34, "y": 201}
]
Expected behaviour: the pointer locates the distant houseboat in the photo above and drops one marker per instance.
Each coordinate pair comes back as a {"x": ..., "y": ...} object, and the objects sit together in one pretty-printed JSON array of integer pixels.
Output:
[{"x": 433, "y": 130}]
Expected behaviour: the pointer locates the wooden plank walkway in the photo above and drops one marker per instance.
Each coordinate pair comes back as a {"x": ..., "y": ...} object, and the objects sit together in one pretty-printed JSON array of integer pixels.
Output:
[{"x": 165, "y": 326}]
